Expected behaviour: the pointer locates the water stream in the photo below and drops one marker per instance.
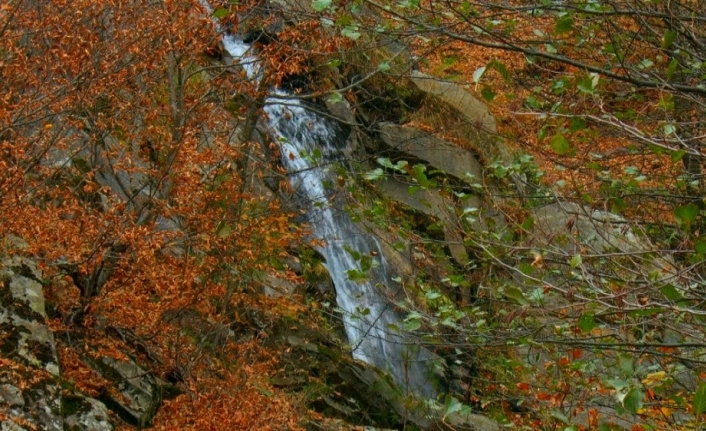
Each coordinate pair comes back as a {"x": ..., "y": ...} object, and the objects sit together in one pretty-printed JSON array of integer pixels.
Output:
[{"x": 311, "y": 145}]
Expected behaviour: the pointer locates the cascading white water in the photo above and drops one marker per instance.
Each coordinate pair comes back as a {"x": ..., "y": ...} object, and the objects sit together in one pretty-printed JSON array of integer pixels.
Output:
[{"x": 370, "y": 321}]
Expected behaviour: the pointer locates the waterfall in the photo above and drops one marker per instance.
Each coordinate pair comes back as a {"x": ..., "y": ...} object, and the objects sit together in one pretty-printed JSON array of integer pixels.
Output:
[{"x": 310, "y": 145}]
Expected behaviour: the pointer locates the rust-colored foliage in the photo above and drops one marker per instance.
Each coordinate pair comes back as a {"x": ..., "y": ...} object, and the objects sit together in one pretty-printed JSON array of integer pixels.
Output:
[{"x": 120, "y": 170}]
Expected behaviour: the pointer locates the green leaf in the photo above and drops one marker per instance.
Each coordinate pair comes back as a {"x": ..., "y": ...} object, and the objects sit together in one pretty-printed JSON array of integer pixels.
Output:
[
  {"x": 626, "y": 363},
  {"x": 672, "y": 68},
  {"x": 320, "y": 5},
  {"x": 528, "y": 223},
  {"x": 350, "y": 32},
  {"x": 515, "y": 294},
  {"x": 220, "y": 13},
  {"x": 617, "y": 384},
  {"x": 633, "y": 400},
  {"x": 533, "y": 103},
  {"x": 699, "y": 404},
  {"x": 564, "y": 24},
  {"x": 452, "y": 405},
  {"x": 500, "y": 68},
  {"x": 589, "y": 83},
  {"x": 356, "y": 275},
  {"x": 700, "y": 246},
  {"x": 671, "y": 293},
  {"x": 344, "y": 20},
  {"x": 449, "y": 60},
  {"x": 412, "y": 322},
  {"x": 668, "y": 38},
  {"x": 384, "y": 66},
  {"x": 645, "y": 312},
  {"x": 575, "y": 261},
  {"x": 556, "y": 414},
  {"x": 420, "y": 175},
  {"x": 645, "y": 63},
  {"x": 335, "y": 97},
  {"x": 375, "y": 174},
  {"x": 560, "y": 144},
  {"x": 264, "y": 391},
  {"x": 686, "y": 214},
  {"x": 223, "y": 230},
  {"x": 677, "y": 156},
  {"x": 617, "y": 205},
  {"x": 487, "y": 93},
  {"x": 432, "y": 295},
  {"x": 577, "y": 124},
  {"x": 587, "y": 322},
  {"x": 666, "y": 102},
  {"x": 385, "y": 162},
  {"x": 595, "y": 166}
]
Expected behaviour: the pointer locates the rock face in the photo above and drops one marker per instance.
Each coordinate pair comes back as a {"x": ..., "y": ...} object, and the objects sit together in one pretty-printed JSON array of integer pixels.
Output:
[
  {"x": 30, "y": 393},
  {"x": 28, "y": 389},
  {"x": 475, "y": 111},
  {"x": 85, "y": 414},
  {"x": 431, "y": 203},
  {"x": 567, "y": 229},
  {"x": 562, "y": 222},
  {"x": 139, "y": 393},
  {"x": 482, "y": 123},
  {"x": 440, "y": 154}
]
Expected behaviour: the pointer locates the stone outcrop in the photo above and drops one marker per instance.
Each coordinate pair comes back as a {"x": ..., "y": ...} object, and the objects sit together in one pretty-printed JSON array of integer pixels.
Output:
[
  {"x": 481, "y": 129},
  {"x": 475, "y": 111},
  {"x": 29, "y": 392},
  {"x": 431, "y": 203},
  {"x": 32, "y": 395},
  {"x": 136, "y": 394},
  {"x": 357, "y": 392},
  {"x": 567, "y": 229},
  {"x": 569, "y": 226},
  {"x": 85, "y": 414},
  {"x": 446, "y": 157}
]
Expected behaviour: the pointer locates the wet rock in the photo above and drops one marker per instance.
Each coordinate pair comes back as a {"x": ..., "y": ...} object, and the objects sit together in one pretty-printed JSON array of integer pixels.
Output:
[
  {"x": 337, "y": 385},
  {"x": 341, "y": 110}
]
